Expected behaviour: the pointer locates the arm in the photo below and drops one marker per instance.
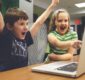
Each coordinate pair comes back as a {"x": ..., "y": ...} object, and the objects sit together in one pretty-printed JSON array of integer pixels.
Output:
[
  {"x": 37, "y": 25},
  {"x": 67, "y": 56},
  {"x": 63, "y": 44},
  {"x": 1, "y": 22}
]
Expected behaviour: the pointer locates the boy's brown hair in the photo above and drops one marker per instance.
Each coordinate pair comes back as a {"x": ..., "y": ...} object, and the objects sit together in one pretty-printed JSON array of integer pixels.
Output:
[{"x": 14, "y": 14}]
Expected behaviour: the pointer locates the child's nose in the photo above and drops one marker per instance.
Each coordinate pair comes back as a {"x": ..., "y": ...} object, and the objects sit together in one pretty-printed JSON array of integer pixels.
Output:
[
  {"x": 26, "y": 27},
  {"x": 63, "y": 22}
]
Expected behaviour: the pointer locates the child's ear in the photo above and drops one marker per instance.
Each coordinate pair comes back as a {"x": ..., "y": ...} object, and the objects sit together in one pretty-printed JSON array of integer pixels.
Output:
[{"x": 9, "y": 26}]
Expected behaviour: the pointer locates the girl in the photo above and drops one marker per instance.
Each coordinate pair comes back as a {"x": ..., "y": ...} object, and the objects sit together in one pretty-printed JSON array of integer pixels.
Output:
[{"x": 62, "y": 41}]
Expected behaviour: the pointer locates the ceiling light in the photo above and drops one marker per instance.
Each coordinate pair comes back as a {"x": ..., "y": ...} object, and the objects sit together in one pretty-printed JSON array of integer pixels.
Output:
[{"x": 80, "y": 5}]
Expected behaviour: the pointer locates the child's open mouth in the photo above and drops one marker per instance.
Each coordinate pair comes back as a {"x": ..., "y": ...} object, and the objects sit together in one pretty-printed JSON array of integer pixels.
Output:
[
  {"x": 62, "y": 28},
  {"x": 23, "y": 33}
]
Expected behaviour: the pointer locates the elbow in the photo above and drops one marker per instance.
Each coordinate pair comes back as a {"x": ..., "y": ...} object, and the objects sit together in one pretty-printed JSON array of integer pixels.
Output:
[
  {"x": 70, "y": 57},
  {"x": 39, "y": 22}
]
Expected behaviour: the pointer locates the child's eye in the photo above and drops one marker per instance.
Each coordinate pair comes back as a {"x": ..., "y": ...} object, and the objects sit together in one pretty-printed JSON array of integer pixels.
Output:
[
  {"x": 59, "y": 20},
  {"x": 66, "y": 20},
  {"x": 21, "y": 23}
]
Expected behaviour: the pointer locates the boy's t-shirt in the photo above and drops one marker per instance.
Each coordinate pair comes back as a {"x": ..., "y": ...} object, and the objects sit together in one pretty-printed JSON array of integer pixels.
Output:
[{"x": 13, "y": 52}]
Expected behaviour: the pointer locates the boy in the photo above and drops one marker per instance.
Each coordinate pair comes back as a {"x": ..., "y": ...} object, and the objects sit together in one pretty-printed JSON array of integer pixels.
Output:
[{"x": 15, "y": 37}]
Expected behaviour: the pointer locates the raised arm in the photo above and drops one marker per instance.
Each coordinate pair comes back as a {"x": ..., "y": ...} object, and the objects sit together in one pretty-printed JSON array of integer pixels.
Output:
[
  {"x": 1, "y": 22},
  {"x": 37, "y": 25}
]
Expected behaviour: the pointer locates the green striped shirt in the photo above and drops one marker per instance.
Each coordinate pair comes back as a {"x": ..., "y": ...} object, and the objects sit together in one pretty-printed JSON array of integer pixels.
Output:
[{"x": 66, "y": 37}]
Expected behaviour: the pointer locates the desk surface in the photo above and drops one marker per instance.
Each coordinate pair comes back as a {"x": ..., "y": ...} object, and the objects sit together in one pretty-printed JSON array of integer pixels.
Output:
[{"x": 25, "y": 73}]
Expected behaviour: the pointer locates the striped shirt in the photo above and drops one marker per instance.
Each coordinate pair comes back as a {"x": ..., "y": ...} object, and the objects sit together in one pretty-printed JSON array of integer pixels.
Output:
[{"x": 66, "y": 37}]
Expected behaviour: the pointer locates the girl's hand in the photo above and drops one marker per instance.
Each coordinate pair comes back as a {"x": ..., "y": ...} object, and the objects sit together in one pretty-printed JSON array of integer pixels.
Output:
[{"x": 77, "y": 44}]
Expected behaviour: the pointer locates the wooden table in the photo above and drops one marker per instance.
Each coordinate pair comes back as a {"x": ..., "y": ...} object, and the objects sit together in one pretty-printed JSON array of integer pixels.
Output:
[{"x": 25, "y": 73}]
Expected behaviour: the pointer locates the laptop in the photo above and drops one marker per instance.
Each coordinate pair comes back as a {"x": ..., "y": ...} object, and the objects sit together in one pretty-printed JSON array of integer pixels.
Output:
[{"x": 65, "y": 68}]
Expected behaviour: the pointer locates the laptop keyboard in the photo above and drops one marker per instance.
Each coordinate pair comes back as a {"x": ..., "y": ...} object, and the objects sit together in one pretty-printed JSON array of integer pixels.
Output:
[{"x": 70, "y": 67}]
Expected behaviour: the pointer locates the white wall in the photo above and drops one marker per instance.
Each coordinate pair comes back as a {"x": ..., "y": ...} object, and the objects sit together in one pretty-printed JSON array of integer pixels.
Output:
[{"x": 28, "y": 8}]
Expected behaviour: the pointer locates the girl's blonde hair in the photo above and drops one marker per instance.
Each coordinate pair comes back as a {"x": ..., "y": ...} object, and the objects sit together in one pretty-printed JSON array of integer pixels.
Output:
[{"x": 52, "y": 25}]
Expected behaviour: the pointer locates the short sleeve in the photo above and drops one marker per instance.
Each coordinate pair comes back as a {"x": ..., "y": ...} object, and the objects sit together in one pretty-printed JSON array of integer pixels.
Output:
[
  {"x": 74, "y": 35},
  {"x": 29, "y": 39}
]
